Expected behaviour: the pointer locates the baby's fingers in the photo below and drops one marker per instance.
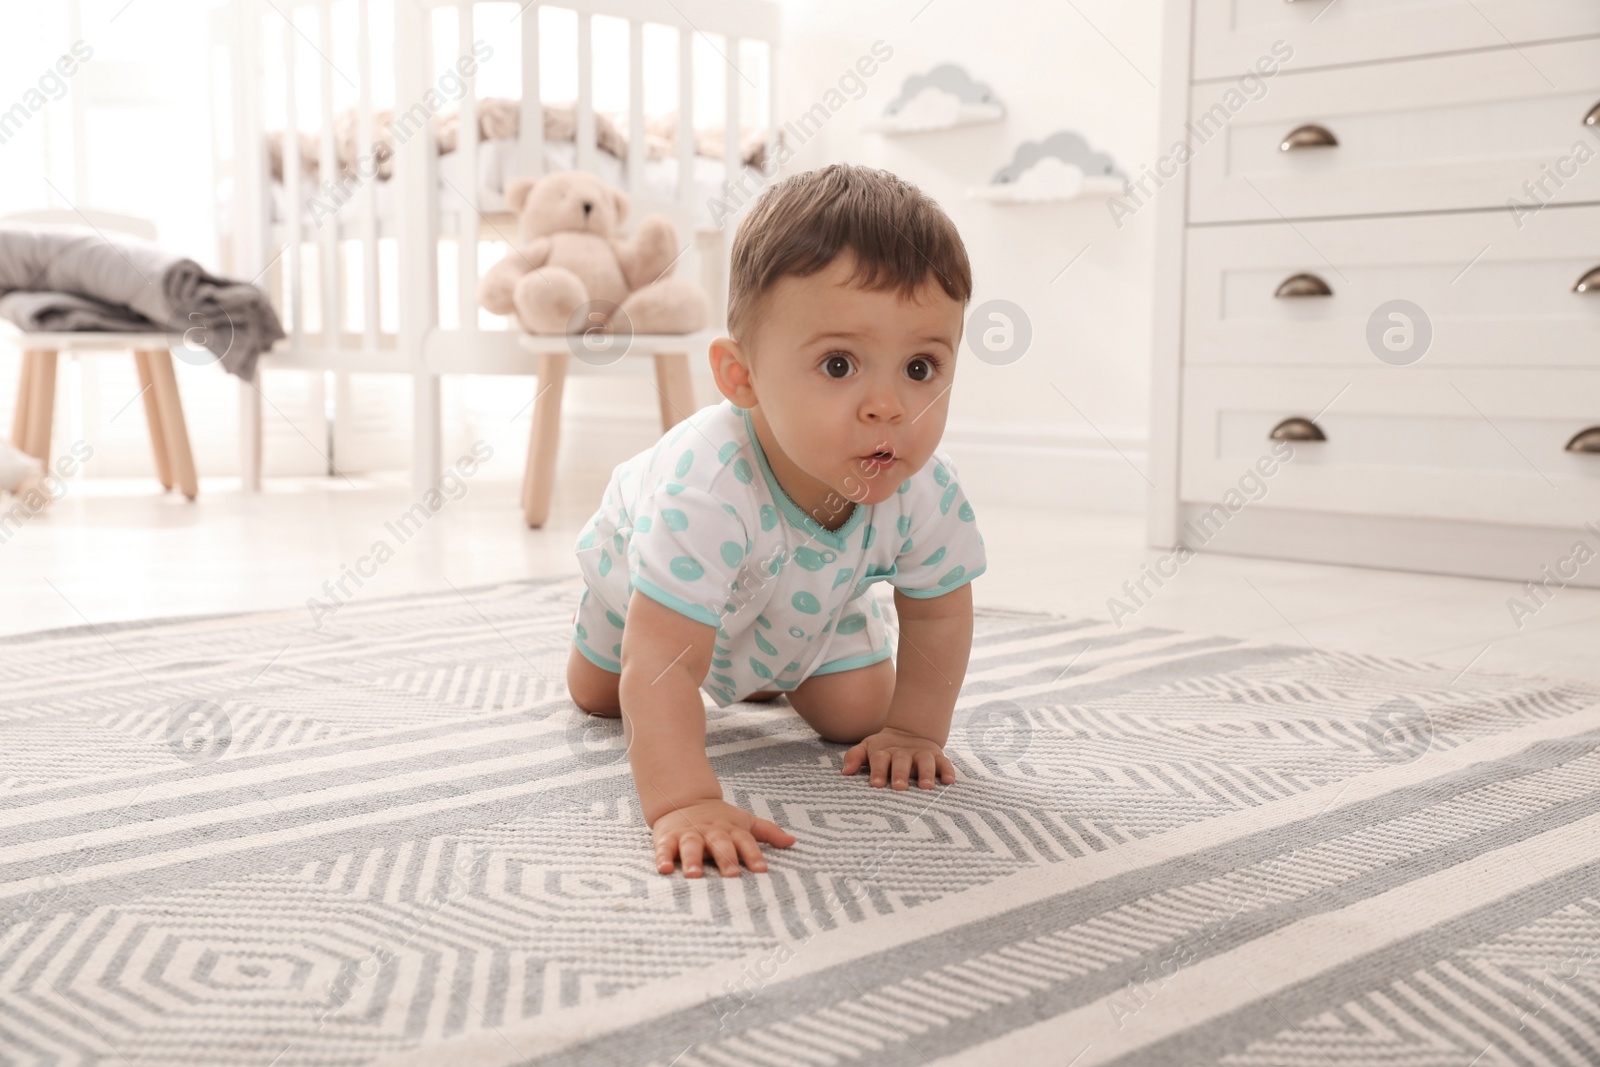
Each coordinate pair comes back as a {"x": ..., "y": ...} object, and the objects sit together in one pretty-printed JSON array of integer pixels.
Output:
[
  {"x": 947, "y": 770},
  {"x": 667, "y": 854},
  {"x": 771, "y": 833},
  {"x": 855, "y": 757},
  {"x": 749, "y": 851},
  {"x": 926, "y": 769},
  {"x": 722, "y": 850},
  {"x": 879, "y": 760},
  {"x": 900, "y": 768},
  {"x": 691, "y": 846}
]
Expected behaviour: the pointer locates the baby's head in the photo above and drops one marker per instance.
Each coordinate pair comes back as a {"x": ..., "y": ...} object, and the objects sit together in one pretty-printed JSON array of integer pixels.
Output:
[{"x": 846, "y": 297}]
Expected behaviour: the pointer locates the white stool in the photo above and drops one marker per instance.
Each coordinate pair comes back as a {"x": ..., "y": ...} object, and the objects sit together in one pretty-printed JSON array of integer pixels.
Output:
[
  {"x": 36, "y": 398},
  {"x": 36, "y": 392}
]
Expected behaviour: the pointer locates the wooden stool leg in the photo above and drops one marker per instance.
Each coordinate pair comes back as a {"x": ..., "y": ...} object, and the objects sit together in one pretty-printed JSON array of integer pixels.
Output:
[
  {"x": 164, "y": 384},
  {"x": 152, "y": 417},
  {"x": 675, "y": 386},
  {"x": 539, "y": 479},
  {"x": 250, "y": 436},
  {"x": 41, "y": 405},
  {"x": 19, "y": 417}
]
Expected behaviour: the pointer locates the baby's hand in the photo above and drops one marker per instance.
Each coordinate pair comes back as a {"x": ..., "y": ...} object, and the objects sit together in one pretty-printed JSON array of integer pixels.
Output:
[
  {"x": 730, "y": 834},
  {"x": 892, "y": 753}
]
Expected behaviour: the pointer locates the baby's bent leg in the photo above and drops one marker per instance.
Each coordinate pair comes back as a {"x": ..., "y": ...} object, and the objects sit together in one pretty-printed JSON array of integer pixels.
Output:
[
  {"x": 846, "y": 706},
  {"x": 592, "y": 688}
]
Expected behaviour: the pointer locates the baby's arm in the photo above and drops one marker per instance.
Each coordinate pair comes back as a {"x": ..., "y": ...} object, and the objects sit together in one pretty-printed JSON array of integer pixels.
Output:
[
  {"x": 665, "y": 657},
  {"x": 935, "y": 641}
]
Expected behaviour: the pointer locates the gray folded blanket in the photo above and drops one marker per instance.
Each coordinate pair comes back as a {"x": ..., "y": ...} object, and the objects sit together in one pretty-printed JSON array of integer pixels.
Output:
[{"x": 67, "y": 278}]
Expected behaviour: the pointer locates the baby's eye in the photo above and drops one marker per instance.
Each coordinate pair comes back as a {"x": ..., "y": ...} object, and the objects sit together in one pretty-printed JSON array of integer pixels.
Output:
[
  {"x": 836, "y": 366},
  {"x": 921, "y": 369}
]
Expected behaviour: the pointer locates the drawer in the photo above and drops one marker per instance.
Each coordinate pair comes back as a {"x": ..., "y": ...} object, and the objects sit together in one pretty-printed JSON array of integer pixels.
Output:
[
  {"x": 1477, "y": 130},
  {"x": 1474, "y": 444},
  {"x": 1489, "y": 294},
  {"x": 1230, "y": 35}
]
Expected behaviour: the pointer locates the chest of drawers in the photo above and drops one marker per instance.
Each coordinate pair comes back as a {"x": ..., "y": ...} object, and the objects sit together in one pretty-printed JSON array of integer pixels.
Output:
[{"x": 1378, "y": 248}]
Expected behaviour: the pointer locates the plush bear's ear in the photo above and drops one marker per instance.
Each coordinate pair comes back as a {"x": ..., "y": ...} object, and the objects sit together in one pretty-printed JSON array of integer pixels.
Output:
[
  {"x": 517, "y": 191},
  {"x": 622, "y": 204}
]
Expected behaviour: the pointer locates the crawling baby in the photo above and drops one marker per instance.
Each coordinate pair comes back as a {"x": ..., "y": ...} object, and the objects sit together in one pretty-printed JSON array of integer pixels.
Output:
[{"x": 738, "y": 554}]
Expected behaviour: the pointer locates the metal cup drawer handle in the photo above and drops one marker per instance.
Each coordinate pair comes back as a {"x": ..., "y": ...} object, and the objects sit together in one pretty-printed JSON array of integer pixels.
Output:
[
  {"x": 1303, "y": 285},
  {"x": 1585, "y": 441},
  {"x": 1296, "y": 428},
  {"x": 1308, "y": 136},
  {"x": 1589, "y": 283}
]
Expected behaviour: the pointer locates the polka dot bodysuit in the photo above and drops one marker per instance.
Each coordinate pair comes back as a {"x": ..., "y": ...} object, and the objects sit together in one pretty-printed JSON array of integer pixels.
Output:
[{"x": 700, "y": 524}]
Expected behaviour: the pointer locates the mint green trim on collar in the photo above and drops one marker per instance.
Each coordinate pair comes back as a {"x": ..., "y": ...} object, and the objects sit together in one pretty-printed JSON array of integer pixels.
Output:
[
  {"x": 928, "y": 594},
  {"x": 866, "y": 659},
  {"x": 791, "y": 511},
  {"x": 596, "y": 658},
  {"x": 696, "y": 612}
]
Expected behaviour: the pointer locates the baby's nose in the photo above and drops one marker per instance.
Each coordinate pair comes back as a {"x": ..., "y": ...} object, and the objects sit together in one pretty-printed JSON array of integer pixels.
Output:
[{"x": 883, "y": 408}]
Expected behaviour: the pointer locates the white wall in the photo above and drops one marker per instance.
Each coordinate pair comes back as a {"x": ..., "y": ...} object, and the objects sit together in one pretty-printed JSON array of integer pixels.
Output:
[{"x": 1014, "y": 435}]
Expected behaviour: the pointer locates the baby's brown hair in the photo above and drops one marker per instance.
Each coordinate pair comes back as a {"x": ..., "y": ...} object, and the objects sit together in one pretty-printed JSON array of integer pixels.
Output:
[{"x": 898, "y": 235}]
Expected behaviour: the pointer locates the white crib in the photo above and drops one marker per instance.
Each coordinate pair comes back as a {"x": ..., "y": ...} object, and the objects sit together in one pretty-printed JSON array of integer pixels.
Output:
[{"x": 329, "y": 274}]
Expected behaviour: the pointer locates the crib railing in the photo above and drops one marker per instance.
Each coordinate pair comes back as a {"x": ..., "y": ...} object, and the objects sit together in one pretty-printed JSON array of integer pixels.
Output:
[
  {"x": 258, "y": 41},
  {"x": 274, "y": 254},
  {"x": 466, "y": 347}
]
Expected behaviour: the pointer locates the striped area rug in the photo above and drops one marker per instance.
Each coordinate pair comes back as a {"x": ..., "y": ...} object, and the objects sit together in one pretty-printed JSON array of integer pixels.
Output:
[{"x": 390, "y": 839}]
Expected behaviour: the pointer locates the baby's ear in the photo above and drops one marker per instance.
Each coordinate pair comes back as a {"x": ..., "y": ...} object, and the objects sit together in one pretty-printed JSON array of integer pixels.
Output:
[{"x": 731, "y": 371}]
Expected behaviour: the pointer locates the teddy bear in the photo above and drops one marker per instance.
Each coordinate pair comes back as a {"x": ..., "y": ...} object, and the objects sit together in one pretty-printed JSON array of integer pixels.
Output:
[{"x": 571, "y": 257}]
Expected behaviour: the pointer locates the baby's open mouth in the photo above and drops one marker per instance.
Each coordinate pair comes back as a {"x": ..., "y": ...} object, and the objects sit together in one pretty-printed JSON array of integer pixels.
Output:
[{"x": 881, "y": 458}]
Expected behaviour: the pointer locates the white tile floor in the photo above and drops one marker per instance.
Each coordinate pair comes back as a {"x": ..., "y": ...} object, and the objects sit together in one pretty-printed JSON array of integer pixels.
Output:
[{"x": 116, "y": 550}]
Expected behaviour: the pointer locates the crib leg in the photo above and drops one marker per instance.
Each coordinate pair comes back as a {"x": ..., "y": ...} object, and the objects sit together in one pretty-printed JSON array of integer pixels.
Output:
[
  {"x": 19, "y": 417},
  {"x": 675, "y": 386},
  {"x": 426, "y": 418},
  {"x": 538, "y": 480},
  {"x": 152, "y": 416},
  {"x": 41, "y": 405}
]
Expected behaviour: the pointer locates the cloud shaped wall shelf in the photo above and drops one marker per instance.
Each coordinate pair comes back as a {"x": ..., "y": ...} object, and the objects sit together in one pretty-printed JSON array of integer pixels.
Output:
[
  {"x": 1061, "y": 167},
  {"x": 942, "y": 99}
]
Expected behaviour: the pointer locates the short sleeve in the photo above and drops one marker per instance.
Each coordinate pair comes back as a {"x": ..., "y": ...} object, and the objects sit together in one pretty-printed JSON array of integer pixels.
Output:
[
  {"x": 686, "y": 550},
  {"x": 940, "y": 547}
]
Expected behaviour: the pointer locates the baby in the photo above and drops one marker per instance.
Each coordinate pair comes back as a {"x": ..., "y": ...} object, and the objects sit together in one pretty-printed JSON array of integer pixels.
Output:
[{"x": 738, "y": 554}]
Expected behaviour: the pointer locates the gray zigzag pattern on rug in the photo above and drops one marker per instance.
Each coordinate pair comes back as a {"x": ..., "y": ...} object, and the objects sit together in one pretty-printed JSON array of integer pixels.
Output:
[{"x": 411, "y": 834}]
